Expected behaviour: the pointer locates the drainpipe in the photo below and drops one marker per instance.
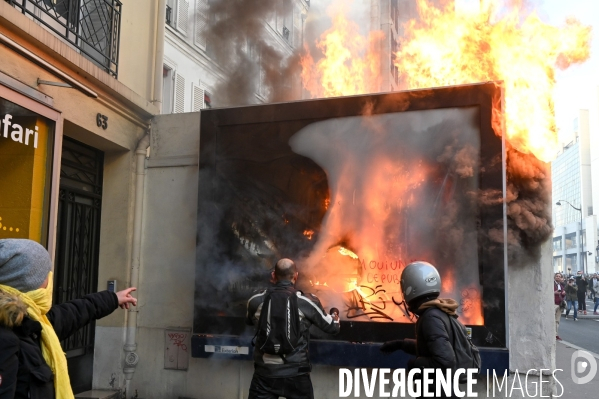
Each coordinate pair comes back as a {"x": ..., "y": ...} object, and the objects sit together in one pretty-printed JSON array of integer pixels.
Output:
[
  {"x": 159, "y": 58},
  {"x": 131, "y": 357}
]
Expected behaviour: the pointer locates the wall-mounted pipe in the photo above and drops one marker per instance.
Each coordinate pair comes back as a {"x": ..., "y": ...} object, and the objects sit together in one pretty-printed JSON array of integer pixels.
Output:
[{"x": 130, "y": 347}]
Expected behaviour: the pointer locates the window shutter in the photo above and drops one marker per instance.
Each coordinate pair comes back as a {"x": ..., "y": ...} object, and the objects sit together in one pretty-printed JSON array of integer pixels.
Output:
[
  {"x": 179, "y": 94},
  {"x": 197, "y": 97},
  {"x": 182, "y": 15},
  {"x": 201, "y": 20}
]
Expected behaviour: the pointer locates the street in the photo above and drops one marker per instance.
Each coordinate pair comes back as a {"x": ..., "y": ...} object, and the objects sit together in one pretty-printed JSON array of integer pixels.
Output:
[
  {"x": 577, "y": 335},
  {"x": 582, "y": 333}
]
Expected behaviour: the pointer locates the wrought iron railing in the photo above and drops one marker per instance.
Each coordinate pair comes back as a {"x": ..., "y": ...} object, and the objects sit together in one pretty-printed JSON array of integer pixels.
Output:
[{"x": 91, "y": 26}]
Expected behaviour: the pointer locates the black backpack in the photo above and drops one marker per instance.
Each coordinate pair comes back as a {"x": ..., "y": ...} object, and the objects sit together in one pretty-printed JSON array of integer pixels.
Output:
[
  {"x": 279, "y": 323},
  {"x": 467, "y": 355}
]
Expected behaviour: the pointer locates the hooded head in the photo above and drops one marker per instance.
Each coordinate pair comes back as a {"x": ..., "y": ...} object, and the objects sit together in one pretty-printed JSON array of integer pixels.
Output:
[{"x": 24, "y": 264}]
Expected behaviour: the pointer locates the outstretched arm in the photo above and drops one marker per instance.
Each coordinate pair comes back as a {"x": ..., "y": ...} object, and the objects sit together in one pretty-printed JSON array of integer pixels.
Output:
[{"x": 68, "y": 317}]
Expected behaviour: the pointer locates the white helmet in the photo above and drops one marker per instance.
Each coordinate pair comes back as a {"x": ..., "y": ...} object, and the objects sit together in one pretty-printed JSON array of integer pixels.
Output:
[{"x": 419, "y": 279}]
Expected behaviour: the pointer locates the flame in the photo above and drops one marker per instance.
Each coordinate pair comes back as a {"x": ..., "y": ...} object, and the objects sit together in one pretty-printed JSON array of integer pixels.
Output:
[
  {"x": 500, "y": 42},
  {"x": 447, "y": 48},
  {"x": 309, "y": 234},
  {"x": 350, "y": 65},
  {"x": 443, "y": 47},
  {"x": 347, "y": 252}
]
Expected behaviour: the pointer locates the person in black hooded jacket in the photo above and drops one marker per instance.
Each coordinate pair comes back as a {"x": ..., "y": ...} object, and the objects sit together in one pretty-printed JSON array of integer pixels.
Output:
[
  {"x": 433, "y": 346},
  {"x": 32, "y": 363}
]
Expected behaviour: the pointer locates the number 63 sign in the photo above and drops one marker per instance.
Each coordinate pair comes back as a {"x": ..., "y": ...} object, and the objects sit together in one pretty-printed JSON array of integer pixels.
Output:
[{"x": 102, "y": 121}]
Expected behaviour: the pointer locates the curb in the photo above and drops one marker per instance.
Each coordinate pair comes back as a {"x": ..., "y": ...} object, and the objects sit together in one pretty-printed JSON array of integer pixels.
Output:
[{"x": 572, "y": 346}]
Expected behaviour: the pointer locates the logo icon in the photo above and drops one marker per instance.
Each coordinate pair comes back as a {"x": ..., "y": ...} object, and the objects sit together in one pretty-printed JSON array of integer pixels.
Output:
[
  {"x": 430, "y": 281},
  {"x": 583, "y": 362}
]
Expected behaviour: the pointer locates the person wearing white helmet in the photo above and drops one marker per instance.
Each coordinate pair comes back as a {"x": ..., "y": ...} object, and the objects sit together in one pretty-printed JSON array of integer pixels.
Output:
[{"x": 432, "y": 348}]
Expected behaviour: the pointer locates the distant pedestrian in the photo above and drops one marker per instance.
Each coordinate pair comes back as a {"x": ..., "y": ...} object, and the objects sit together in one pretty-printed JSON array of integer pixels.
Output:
[
  {"x": 32, "y": 362},
  {"x": 594, "y": 286},
  {"x": 559, "y": 294},
  {"x": 582, "y": 285},
  {"x": 572, "y": 298}
]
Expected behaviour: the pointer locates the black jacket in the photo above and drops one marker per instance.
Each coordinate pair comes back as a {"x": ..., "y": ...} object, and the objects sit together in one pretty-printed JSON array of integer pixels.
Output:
[
  {"x": 23, "y": 369},
  {"x": 297, "y": 362},
  {"x": 433, "y": 346}
]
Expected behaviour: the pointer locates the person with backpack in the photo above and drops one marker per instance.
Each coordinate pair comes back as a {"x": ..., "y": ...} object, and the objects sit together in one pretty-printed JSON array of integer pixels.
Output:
[
  {"x": 283, "y": 316},
  {"x": 441, "y": 340}
]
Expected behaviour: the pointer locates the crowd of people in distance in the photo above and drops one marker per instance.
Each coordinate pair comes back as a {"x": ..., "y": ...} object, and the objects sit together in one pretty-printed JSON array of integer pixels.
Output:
[{"x": 571, "y": 293}]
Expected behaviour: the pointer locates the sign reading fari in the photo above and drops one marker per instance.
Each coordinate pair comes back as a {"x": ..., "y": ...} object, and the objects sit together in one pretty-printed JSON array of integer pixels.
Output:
[
  {"x": 26, "y": 142},
  {"x": 18, "y": 133}
]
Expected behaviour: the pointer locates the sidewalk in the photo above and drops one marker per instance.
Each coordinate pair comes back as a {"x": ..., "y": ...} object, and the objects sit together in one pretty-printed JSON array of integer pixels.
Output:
[{"x": 563, "y": 360}]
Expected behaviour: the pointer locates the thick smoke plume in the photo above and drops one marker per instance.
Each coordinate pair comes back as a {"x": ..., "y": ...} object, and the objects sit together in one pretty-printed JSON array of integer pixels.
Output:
[{"x": 240, "y": 42}]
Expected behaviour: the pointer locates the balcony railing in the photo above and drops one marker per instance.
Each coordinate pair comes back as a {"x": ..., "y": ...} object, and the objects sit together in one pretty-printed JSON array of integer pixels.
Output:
[{"x": 91, "y": 26}]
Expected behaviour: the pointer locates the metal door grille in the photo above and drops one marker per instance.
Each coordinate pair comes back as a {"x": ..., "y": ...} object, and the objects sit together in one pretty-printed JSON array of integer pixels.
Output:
[{"x": 80, "y": 200}]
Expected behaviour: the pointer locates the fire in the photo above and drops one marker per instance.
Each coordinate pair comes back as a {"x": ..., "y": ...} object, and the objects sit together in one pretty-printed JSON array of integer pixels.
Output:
[
  {"x": 449, "y": 48},
  {"x": 373, "y": 198},
  {"x": 309, "y": 234},
  {"x": 445, "y": 47},
  {"x": 350, "y": 64}
]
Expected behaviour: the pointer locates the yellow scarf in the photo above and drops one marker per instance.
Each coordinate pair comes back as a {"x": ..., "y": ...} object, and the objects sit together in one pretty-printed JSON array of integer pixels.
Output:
[{"x": 38, "y": 304}]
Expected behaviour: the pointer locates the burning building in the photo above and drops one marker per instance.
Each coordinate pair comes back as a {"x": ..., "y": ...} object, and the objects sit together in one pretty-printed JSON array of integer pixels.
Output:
[{"x": 353, "y": 189}]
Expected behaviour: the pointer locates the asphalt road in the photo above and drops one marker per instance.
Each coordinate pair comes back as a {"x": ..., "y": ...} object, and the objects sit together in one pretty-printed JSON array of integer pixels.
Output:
[{"x": 583, "y": 333}]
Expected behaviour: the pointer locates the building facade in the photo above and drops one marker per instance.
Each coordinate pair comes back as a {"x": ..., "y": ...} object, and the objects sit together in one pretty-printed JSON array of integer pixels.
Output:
[
  {"x": 573, "y": 218},
  {"x": 77, "y": 94},
  {"x": 200, "y": 57}
]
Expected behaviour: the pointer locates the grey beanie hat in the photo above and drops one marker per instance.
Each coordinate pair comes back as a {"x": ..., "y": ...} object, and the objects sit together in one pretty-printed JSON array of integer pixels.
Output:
[{"x": 24, "y": 264}]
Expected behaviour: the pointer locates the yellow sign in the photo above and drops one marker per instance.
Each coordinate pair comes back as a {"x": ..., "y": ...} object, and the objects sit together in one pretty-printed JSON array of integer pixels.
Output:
[{"x": 26, "y": 141}]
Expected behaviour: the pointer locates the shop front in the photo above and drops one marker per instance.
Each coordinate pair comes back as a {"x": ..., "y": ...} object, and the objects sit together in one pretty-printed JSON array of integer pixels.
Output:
[{"x": 30, "y": 146}]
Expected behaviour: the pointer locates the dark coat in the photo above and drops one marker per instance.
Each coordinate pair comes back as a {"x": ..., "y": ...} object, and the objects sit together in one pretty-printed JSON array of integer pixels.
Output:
[
  {"x": 571, "y": 293},
  {"x": 433, "y": 346},
  {"x": 23, "y": 369},
  {"x": 297, "y": 362},
  {"x": 582, "y": 285}
]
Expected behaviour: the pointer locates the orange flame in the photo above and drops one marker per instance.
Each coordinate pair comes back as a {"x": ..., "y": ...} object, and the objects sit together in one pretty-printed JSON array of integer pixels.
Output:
[
  {"x": 445, "y": 47},
  {"x": 309, "y": 234},
  {"x": 350, "y": 64},
  {"x": 448, "y": 48}
]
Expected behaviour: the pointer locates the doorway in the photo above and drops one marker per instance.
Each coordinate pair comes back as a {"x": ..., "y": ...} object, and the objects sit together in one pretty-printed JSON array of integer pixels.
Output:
[{"x": 77, "y": 248}]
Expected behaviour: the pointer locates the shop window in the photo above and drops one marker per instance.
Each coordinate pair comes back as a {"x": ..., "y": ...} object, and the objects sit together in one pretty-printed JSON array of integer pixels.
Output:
[
  {"x": 558, "y": 264},
  {"x": 557, "y": 244},
  {"x": 570, "y": 241}
]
